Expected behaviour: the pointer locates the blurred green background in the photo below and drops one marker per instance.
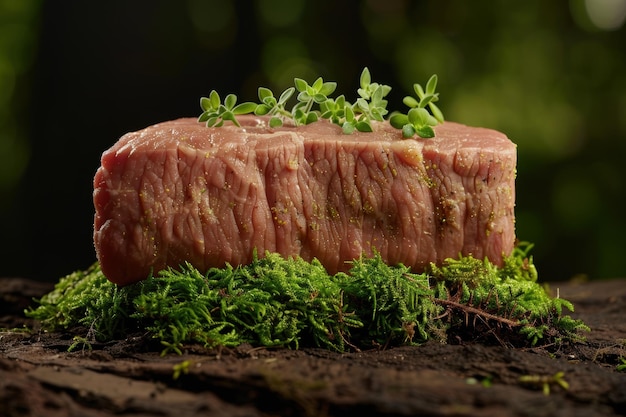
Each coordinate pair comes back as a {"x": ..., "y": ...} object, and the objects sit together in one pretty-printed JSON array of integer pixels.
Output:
[{"x": 76, "y": 75}]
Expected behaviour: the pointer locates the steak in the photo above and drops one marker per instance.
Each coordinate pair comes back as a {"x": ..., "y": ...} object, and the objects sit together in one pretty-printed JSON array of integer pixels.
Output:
[{"x": 180, "y": 192}]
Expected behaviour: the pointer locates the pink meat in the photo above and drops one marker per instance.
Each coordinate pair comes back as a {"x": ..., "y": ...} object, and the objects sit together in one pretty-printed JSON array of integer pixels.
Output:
[{"x": 179, "y": 191}]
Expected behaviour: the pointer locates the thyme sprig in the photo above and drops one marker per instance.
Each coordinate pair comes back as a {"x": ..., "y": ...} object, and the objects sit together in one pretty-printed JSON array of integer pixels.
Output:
[
  {"x": 215, "y": 113},
  {"x": 418, "y": 120},
  {"x": 273, "y": 107},
  {"x": 308, "y": 95},
  {"x": 315, "y": 101}
]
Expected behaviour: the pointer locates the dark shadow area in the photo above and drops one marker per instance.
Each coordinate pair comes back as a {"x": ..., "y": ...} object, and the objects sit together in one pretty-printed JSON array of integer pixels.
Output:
[{"x": 75, "y": 76}]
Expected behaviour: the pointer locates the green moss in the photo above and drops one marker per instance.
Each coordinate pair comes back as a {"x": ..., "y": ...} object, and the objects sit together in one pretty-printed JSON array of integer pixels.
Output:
[{"x": 294, "y": 303}]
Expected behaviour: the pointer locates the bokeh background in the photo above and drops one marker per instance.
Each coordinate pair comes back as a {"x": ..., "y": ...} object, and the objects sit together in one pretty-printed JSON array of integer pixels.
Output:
[{"x": 76, "y": 75}]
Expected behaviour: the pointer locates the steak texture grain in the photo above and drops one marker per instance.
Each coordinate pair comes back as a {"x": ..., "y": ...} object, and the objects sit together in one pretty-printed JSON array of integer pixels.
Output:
[{"x": 181, "y": 192}]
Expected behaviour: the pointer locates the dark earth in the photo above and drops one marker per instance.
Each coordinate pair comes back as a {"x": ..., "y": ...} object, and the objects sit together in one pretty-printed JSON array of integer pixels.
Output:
[{"x": 39, "y": 377}]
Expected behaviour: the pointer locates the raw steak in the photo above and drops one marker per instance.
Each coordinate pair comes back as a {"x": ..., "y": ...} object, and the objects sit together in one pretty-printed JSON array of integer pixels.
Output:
[{"x": 180, "y": 191}]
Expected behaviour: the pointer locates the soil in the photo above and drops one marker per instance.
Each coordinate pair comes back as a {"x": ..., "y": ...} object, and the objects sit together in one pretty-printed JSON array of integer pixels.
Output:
[{"x": 39, "y": 377}]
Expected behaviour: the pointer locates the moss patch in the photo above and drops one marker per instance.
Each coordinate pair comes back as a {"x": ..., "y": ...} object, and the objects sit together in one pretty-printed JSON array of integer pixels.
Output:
[{"x": 294, "y": 303}]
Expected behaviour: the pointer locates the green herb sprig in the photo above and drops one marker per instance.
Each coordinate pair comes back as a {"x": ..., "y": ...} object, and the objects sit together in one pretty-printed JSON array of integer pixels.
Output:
[
  {"x": 273, "y": 107},
  {"x": 308, "y": 95},
  {"x": 315, "y": 101},
  {"x": 418, "y": 120},
  {"x": 215, "y": 113}
]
